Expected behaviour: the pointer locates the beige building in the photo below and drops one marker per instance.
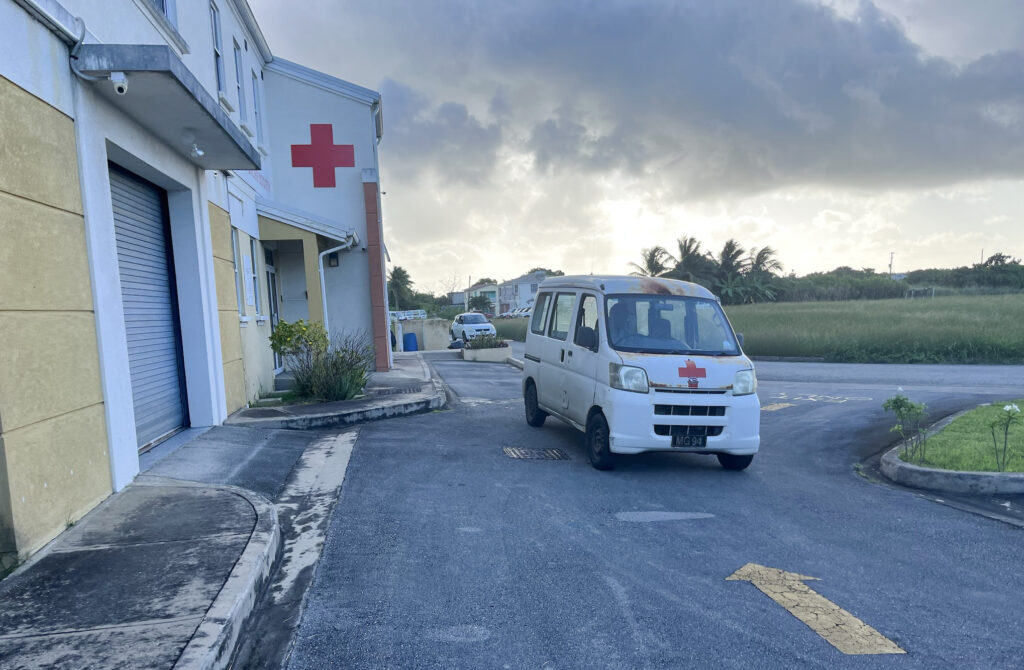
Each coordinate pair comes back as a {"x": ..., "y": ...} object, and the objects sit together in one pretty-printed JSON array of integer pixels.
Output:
[{"x": 152, "y": 156}]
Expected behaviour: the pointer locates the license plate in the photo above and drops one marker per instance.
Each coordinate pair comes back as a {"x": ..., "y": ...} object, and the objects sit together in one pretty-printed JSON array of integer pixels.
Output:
[{"x": 689, "y": 441}]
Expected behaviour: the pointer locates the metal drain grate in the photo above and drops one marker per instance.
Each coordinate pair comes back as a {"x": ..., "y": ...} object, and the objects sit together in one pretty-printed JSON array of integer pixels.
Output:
[{"x": 536, "y": 454}]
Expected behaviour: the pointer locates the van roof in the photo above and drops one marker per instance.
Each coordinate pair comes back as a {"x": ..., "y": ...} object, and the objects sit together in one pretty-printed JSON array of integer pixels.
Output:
[{"x": 629, "y": 284}]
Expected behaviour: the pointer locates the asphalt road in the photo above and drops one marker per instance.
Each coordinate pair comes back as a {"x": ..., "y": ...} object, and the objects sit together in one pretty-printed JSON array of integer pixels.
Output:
[{"x": 445, "y": 552}]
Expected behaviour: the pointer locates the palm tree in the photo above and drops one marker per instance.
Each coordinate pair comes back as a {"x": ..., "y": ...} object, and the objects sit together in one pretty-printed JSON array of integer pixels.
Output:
[
  {"x": 692, "y": 264},
  {"x": 400, "y": 286},
  {"x": 730, "y": 260},
  {"x": 763, "y": 262},
  {"x": 654, "y": 262}
]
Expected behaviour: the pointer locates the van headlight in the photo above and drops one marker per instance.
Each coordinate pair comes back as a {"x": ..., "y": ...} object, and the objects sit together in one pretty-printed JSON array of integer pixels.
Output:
[
  {"x": 744, "y": 383},
  {"x": 627, "y": 378}
]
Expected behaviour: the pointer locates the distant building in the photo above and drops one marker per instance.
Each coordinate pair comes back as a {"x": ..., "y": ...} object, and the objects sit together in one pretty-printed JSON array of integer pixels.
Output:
[
  {"x": 457, "y": 298},
  {"x": 519, "y": 292},
  {"x": 489, "y": 291}
]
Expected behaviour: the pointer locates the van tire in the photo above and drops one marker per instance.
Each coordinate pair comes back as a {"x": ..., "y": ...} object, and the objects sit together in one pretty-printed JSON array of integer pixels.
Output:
[
  {"x": 598, "y": 444},
  {"x": 735, "y": 462},
  {"x": 534, "y": 414}
]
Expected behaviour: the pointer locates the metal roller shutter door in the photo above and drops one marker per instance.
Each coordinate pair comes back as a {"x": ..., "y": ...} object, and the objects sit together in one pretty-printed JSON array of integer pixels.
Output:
[{"x": 146, "y": 269}]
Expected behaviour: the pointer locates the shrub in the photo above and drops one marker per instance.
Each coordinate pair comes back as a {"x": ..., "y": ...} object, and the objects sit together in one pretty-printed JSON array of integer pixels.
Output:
[
  {"x": 323, "y": 370},
  {"x": 486, "y": 342},
  {"x": 909, "y": 419}
]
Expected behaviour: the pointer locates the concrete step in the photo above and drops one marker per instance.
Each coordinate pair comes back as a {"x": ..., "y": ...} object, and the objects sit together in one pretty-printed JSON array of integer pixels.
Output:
[{"x": 284, "y": 382}]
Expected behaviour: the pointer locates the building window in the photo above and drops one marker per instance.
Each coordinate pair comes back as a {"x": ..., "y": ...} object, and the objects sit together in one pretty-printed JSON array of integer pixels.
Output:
[
  {"x": 254, "y": 276},
  {"x": 239, "y": 82},
  {"x": 238, "y": 275},
  {"x": 218, "y": 57},
  {"x": 256, "y": 108}
]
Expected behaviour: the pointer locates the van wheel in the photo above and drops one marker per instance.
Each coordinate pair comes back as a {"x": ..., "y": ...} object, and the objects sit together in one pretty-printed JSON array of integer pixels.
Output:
[
  {"x": 598, "y": 446},
  {"x": 734, "y": 462},
  {"x": 534, "y": 414}
]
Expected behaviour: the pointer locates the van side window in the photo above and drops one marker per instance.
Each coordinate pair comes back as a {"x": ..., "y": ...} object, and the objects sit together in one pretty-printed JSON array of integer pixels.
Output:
[
  {"x": 586, "y": 324},
  {"x": 561, "y": 316},
  {"x": 539, "y": 312}
]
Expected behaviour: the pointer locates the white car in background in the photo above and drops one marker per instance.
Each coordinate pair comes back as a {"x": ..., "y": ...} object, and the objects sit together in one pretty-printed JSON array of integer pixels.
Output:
[{"x": 468, "y": 325}]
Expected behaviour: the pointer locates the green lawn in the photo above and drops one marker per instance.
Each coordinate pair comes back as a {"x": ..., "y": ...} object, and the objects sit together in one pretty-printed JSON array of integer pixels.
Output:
[
  {"x": 966, "y": 444},
  {"x": 511, "y": 329},
  {"x": 954, "y": 329}
]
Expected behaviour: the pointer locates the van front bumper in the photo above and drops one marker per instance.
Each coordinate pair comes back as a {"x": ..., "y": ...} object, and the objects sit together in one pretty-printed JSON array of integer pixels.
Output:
[{"x": 732, "y": 423}]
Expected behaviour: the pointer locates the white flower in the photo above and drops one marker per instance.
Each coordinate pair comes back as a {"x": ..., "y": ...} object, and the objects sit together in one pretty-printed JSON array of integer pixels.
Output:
[{"x": 1012, "y": 408}]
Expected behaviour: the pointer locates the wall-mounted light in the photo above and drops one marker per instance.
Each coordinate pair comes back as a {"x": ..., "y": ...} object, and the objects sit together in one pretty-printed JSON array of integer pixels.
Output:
[
  {"x": 332, "y": 260},
  {"x": 196, "y": 152}
]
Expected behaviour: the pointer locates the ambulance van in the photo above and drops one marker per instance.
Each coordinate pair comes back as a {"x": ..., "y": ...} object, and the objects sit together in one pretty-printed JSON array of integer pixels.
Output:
[{"x": 640, "y": 364}]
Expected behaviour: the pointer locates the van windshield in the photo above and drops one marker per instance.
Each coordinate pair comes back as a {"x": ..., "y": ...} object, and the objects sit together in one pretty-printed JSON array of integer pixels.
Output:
[{"x": 661, "y": 324}]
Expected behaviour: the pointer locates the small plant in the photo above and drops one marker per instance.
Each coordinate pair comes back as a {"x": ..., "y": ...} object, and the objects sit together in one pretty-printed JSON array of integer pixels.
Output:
[
  {"x": 299, "y": 339},
  {"x": 323, "y": 370},
  {"x": 486, "y": 342},
  {"x": 1009, "y": 416},
  {"x": 909, "y": 417}
]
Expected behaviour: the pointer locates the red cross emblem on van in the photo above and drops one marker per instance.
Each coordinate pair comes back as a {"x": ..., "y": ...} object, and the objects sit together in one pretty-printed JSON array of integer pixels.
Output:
[{"x": 691, "y": 373}]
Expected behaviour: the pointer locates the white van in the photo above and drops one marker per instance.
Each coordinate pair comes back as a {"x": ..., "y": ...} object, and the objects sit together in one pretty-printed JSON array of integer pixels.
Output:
[{"x": 640, "y": 364}]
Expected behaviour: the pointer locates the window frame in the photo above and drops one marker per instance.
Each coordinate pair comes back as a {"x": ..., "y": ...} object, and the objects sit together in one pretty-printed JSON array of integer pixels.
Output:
[
  {"x": 218, "y": 47},
  {"x": 551, "y": 332},
  {"x": 239, "y": 80},
  {"x": 236, "y": 253},
  {"x": 538, "y": 328},
  {"x": 579, "y": 321},
  {"x": 257, "y": 117},
  {"x": 255, "y": 273}
]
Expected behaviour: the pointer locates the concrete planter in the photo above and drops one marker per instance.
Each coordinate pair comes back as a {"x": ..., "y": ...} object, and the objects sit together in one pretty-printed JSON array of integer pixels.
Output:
[
  {"x": 496, "y": 355},
  {"x": 951, "y": 481}
]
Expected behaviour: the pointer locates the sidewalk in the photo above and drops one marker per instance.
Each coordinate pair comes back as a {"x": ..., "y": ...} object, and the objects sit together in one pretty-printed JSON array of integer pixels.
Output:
[
  {"x": 408, "y": 388},
  {"x": 153, "y": 577},
  {"x": 167, "y": 572}
]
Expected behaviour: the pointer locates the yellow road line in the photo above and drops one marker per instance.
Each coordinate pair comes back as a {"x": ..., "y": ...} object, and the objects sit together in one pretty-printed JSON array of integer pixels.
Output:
[
  {"x": 838, "y": 627},
  {"x": 777, "y": 406}
]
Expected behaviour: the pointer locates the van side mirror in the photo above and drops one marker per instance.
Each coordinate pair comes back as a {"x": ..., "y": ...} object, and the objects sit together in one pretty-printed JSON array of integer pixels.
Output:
[{"x": 739, "y": 336}]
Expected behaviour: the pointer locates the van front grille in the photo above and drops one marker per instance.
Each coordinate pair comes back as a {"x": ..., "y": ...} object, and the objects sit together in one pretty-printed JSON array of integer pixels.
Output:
[
  {"x": 689, "y": 410},
  {"x": 692, "y": 431}
]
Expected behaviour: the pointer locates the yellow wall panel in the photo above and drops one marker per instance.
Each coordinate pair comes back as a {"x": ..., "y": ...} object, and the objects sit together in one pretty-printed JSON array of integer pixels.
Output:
[
  {"x": 227, "y": 295},
  {"x": 51, "y": 365},
  {"x": 234, "y": 385},
  {"x": 220, "y": 233},
  {"x": 58, "y": 469},
  {"x": 230, "y": 340},
  {"x": 43, "y": 261},
  {"x": 37, "y": 150}
]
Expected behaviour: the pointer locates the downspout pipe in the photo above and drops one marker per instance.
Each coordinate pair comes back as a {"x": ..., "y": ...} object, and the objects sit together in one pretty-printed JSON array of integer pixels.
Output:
[{"x": 353, "y": 239}]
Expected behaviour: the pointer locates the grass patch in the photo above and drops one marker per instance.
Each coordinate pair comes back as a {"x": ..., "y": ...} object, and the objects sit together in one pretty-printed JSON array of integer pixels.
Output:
[
  {"x": 954, "y": 329},
  {"x": 511, "y": 329},
  {"x": 966, "y": 444}
]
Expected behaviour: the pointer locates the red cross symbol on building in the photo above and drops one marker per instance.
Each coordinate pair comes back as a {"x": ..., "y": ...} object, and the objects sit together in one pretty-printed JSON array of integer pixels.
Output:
[
  {"x": 323, "y": 155},
  {"x": 692, "y": 372}
]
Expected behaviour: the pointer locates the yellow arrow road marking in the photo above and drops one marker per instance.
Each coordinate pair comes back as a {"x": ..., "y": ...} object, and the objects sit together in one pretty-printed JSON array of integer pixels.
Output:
[
  {"x": 841, "y": 629},
  {"x": 776, "y": 406}
]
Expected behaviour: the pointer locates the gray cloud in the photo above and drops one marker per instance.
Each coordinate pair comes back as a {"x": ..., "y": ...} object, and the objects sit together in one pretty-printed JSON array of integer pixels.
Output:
[{"x": 444, "y": 138}]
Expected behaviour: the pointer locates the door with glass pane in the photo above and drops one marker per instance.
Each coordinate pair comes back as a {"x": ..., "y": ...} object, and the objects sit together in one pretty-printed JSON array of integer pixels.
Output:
[{"x": 272, "y": 298}]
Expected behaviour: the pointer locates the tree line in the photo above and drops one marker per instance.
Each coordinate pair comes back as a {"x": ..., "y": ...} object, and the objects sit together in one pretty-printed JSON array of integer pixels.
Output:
[{"x": 741, "y": 276}]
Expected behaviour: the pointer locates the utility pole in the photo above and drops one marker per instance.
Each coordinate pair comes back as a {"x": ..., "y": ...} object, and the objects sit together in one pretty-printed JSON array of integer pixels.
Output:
[{"x": 891, "y": 254}]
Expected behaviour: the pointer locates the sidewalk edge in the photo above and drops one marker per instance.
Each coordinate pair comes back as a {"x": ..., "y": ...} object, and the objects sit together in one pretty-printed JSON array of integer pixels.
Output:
[{"x": 214, "y": 641}]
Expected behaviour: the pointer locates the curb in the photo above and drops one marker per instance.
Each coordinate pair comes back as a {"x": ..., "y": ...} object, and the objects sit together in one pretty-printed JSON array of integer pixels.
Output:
[
  {"x": 435, "y": 400},
  {"x": 948, "y": 481},
  {"x": 514, "y": 362},
  {"x": 213, "y": 643}
]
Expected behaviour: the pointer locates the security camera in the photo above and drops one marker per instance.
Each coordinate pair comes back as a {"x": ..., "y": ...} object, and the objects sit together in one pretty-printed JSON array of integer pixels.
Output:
[{"x": 120, "y": 82}]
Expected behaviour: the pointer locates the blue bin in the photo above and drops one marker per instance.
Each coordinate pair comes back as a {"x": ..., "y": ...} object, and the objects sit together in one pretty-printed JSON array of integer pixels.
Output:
[{"x": 409, "y": 342}]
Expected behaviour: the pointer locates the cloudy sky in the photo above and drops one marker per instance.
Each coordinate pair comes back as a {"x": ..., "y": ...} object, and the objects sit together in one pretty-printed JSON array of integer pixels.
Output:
[{"x": 571, "y": 134}]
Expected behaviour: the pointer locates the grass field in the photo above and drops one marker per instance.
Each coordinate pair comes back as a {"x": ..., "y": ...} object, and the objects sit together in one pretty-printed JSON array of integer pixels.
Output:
[
  {"x": 966, "y": 444},
  {"x": 955, "y": 329},
  {"x": 511, "y": 329}
]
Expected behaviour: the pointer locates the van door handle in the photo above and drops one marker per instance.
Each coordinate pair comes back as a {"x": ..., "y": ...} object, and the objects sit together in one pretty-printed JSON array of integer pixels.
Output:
[{"x": 562, "y": 357}]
